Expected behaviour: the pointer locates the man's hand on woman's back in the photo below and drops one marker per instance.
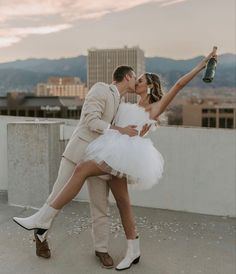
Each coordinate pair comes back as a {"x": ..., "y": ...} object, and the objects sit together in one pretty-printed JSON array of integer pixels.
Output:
[{"x": 129, "y": 130}]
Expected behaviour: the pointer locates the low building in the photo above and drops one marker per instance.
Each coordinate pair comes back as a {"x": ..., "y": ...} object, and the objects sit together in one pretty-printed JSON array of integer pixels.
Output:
[
  {"x": 21, "y": 104},
  {"x": 209, "y": 112},
  {"x": 62, "y": 86}
]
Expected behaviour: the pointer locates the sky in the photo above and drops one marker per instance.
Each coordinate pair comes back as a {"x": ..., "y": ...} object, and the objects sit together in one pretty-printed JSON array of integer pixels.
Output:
[{"x": 178, "y": 29}]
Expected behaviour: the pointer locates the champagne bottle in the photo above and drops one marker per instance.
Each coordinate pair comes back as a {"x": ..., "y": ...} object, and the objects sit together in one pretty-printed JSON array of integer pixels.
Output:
[{"x": 210, "y": 69}]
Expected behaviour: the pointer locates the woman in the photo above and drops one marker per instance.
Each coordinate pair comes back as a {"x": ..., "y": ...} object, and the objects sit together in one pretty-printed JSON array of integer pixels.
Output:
[{"x": 130, "y": 160}]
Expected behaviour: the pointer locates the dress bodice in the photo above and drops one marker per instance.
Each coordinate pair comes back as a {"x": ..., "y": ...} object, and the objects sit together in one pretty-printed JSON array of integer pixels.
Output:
[{"x": 132, "y": 114}]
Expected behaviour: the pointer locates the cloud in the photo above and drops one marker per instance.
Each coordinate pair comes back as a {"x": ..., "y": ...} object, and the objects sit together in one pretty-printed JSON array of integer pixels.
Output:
[
  {"x": 11, "y": 36},
  {"x": 8, "y": 41},
  {"x": 170, "y": 3},
  {"x": 66, "y": 11}
]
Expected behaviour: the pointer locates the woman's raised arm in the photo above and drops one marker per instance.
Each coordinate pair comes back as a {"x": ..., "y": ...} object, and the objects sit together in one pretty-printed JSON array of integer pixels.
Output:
[{"x": 157, "y": 108}]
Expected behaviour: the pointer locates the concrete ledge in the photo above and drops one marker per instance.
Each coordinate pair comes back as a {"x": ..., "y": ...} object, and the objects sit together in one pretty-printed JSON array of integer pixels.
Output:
[{"x": 34, "y": 151}]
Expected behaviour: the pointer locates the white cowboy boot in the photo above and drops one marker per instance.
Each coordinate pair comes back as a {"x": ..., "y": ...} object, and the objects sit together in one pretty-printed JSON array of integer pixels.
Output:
[
  {"x": 132, "y": 255},
  {"x": 41, "y": 219}
]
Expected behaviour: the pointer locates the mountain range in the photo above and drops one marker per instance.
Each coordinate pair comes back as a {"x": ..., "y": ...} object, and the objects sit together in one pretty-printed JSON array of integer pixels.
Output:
[{"x": 25, "y": 74}]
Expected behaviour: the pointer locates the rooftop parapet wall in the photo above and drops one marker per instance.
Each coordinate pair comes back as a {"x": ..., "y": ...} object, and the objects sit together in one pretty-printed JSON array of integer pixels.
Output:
[{"x": 199, "y": 176}]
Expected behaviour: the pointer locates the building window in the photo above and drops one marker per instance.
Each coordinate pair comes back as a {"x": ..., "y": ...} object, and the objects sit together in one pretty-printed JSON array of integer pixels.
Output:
[
  {"x": 58, "y": 114},
  {"x": 226, "y": 110},
  {"x": 208, "y": 110},
  {"x": 208, "y": 122},
  {"x": 204, "y": 122},
  {"x": 31, "y": 113},
  {"x": 49, "y": 114},
  {"x": 13, "y": 113},
  {"x": 212, "y": 122},
  {"x": 40, "y": 113},
  {"x": 3, "y": 112},
  {"x": 212, "y": 110},
  {"x": 226, "y": 123},
  {"x": 222, "y": 122},
  {"x": 229, "y": 123},
  {"x": 21, "y": 112}
]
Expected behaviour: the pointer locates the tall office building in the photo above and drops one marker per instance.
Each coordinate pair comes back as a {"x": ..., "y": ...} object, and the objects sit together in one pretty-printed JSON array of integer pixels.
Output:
[{"x": 102, "y": 62}]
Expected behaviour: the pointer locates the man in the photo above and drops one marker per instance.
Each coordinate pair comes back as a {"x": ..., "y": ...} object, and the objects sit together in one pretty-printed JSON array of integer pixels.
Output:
[{"x": 99, "y": 109}]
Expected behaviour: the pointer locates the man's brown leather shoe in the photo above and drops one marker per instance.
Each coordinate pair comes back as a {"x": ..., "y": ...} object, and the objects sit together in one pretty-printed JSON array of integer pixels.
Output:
[
  {"x": 105, "y": 259},
  {"x": 42, "y": 249}
]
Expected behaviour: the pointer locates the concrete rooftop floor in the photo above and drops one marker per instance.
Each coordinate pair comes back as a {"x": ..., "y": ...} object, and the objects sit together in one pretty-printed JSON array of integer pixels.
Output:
[{"x": 172, "y": 242}]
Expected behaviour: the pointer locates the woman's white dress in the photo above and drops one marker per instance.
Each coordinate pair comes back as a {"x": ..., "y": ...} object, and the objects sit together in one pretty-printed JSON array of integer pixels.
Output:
[{"x": 132, "y": 157}]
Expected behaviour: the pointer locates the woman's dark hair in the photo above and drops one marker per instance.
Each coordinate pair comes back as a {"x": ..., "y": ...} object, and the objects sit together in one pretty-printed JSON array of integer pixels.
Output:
[
  {"x": 156, "y": 92},
  {"x": 120, "y": 72}
]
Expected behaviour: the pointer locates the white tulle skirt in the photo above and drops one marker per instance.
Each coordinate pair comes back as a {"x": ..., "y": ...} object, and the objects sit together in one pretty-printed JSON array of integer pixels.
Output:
[{"x": 132, "y": 157}]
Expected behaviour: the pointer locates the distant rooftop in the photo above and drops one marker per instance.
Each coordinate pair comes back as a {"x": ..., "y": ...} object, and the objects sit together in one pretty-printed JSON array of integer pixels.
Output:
[{"x": 36, "y": 101}]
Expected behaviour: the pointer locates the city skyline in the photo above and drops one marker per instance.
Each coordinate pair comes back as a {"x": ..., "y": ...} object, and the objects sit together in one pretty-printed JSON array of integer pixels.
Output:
[{"x": 178, "y": 29}]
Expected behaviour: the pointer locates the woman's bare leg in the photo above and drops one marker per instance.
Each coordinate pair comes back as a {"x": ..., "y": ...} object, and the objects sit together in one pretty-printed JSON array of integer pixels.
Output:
[
  {"x": 120, "y": 192},
  {"x": 74, "y": 184}
]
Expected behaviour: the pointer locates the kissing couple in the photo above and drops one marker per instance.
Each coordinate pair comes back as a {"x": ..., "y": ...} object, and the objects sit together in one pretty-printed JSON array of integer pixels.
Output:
[{"x": 108, "y": 151}]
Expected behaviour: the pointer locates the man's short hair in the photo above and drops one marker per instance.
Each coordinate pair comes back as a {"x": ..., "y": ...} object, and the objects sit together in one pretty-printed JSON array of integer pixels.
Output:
[{"x": 120, "y": 72}]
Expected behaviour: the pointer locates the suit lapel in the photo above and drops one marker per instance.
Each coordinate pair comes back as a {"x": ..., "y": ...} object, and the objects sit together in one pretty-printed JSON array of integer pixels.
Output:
[{"x": 115, "y": 97}]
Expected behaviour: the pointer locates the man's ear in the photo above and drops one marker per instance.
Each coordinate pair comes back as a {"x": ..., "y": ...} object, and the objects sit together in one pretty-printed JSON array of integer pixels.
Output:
[{"x": 127, "y": 77}]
